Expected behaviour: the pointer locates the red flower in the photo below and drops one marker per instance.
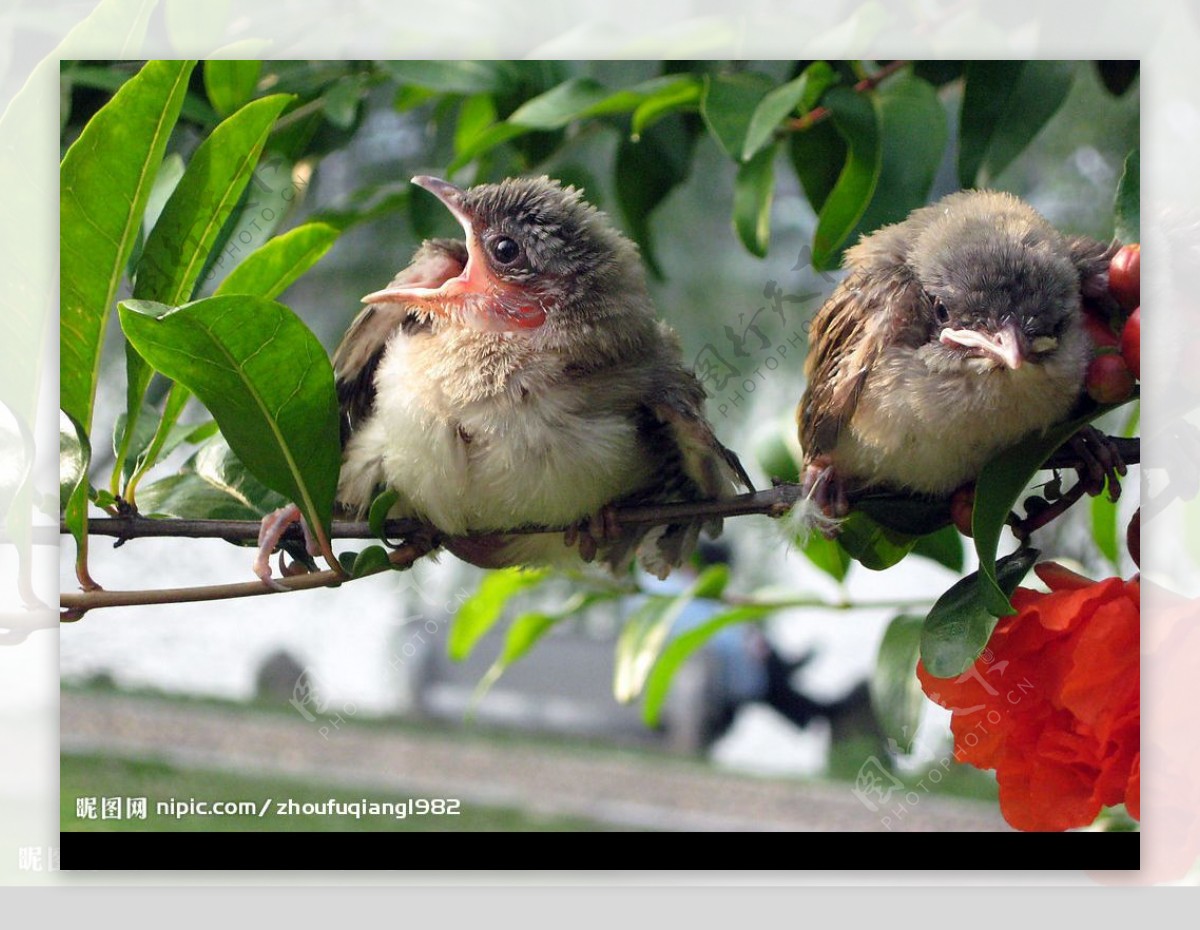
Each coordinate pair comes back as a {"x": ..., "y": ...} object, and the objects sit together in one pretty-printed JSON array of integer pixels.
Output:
[{"x": 1053, "y": 703}]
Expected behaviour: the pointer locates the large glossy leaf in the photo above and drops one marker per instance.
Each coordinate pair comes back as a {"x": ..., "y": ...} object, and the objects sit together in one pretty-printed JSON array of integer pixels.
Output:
[
  {"x": 912, "y": 136},
  {"x": 217, "y": 174},
  {"x": 272, "y": 268},
  {"x": 827, "y": 555},
  {"x": 455, "y": 77},
  {"x": 896, "y": 696},
  {"x": 229, "y": 84},
  {"x": 1128, "y": 207},
  {"x": 818, "y": 155},
  {"x": 1005, "y": 104},
  {"x": 212, "y": 485},
  {"x": 945, "y": 546},
  {"x": 961, "y": 622},
  {"x": 647, "y": 171},
  {"x": 482, "y": 610},
  {"x": 800, "y": 94},
  {"x": 752, "y": 192},
  {"x": 583, "y": 98},
  {"x": 266, "y": 380},
  {"x": 682, "y": 648},
  {"x": 855, "y": 118},
  {"x": 106, "y": 178},
  {"x": 178, "y": 247},
  {"x": 997, "y": 490},
  {"x": 871, "y": 544},
  {"x": 728, "y": 103},
  {"x": 682, "y": 95},
  {"x": 645, "y": 633}
]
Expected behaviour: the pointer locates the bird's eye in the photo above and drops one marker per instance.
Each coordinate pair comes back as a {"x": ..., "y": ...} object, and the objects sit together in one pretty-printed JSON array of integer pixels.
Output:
[
  {"x": 505, "y": 250},
  {"x": 940, "y": 311}
]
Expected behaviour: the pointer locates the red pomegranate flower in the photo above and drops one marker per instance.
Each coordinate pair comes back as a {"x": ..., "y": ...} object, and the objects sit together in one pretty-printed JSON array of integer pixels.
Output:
[{"x": 1053, "y": 703}]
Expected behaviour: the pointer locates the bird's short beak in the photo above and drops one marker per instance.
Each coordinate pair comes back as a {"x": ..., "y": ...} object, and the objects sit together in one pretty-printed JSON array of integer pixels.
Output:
[
  {"x": 1006, "y": 345},
  {"x": 471, "y": 279}
]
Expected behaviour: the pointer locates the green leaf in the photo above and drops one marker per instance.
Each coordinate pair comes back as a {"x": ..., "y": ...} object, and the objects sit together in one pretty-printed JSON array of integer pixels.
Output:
[
  {"x": 266, "y": 380},
  {"x": 855, "y": 119},
  {"x": 454, "y": 77},
  {"x": 827, "y": 555},
  {"x": 818, "y": 155},
  {"x": 1005, "y": 105},
  {"x": 1000, "y": 485},
  {"x": 961, "y": 622},
  {"x": 799, "y": 94},
  {"x": 179, "y": 245},
  {"x": 1128, "y": 206},
  {"x": 571, "y": 100},
  {"x": 752, "y": 192},
  {"x": 912, "y": 516},
  {"x": 872, "y": 545},
  {"x": 476, "y": 114},
  {"x": 105, "y": 182},
  {"x": 229, "y": 84},
  {"x": 912, "y": 134},
  {"x": 269, "y": 270},
  {"x": 1104, "y": 527},
  {"x": 681, "y": 95},
  {"x": 774, "y": 455},
  {"x": 647, "y": 171},
  {"x": 212, "y": 485},
  {"x": 74, "y": 456},
  {"x": 583, "y": 98},
  {"x": 341, "y": 104},
  {"x": 169, "y": 172},
  {"x": 378, "y": 514},
  {"x": 485, "y": 141},
  {"x": 370, "y": 561},
  {"x": 646, "y": 631},
  {"x": 728, "y": 103},
  {"x": 481, "y": 611},
  {"x": 896, "y": 695},
  {"x": 679, "y": 650},
  {"x": 944, "y": 547},
  {"x": 217, "y": 174}
]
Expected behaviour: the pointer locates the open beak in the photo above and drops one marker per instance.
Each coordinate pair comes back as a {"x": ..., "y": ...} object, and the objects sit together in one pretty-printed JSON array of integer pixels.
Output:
[
  {"x": 1006, "y": 345},
  {"x": 471, "y": 279}
]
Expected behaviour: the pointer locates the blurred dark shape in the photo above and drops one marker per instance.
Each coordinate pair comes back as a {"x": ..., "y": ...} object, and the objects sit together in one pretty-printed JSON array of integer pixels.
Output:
[
  {"x": 740, "y": 666},
  {"x": 1118, "y": 76},
  {"x": 277, "y": 677}
]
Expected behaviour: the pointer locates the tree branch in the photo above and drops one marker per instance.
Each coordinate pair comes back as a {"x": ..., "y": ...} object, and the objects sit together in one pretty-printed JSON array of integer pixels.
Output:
[
  {"x": 420, "y": 538},
  {"x": 772, "y": 502}
]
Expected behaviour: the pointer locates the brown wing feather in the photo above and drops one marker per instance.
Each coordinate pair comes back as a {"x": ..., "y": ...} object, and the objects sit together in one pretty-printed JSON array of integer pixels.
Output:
[
  {"x": 868, "y": 311},
  {"x": 358, "y": 355}
]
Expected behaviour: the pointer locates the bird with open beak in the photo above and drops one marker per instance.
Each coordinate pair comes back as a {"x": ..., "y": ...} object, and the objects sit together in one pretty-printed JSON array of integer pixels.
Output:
[
  {"x": 957, "y": 333},
  {"x": 518, "y": 377}
]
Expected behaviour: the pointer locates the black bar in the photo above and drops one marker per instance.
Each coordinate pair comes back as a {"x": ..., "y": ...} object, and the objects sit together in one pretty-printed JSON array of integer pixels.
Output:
[{"x": 452, "y": 850}]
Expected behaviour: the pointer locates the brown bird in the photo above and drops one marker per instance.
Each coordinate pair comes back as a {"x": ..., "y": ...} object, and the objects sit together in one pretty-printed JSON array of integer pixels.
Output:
[
  {"x": 957, "y": 333},
  {"x": 519, "y": 377}
]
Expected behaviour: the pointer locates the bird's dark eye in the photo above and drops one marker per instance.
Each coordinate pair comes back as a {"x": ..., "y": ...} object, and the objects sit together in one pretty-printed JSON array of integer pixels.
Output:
[
  {"x": 505, "y": 250},
  {"x": 940, "y": 311}
]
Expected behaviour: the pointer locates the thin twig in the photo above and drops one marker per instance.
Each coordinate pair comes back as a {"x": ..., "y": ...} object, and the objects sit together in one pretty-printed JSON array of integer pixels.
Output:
[
  {"x": 819, "y": 114},
  {"x": 75, "y": 605}
]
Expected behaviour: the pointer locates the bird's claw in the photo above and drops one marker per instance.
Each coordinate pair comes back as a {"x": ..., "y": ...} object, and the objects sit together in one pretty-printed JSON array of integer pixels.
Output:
[
  {"x": 274, "y": 526},
  {"x": 1100, "y": 462},
  {"x": 593, "y": 531},
  {"x": 822, "y": 485}
]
